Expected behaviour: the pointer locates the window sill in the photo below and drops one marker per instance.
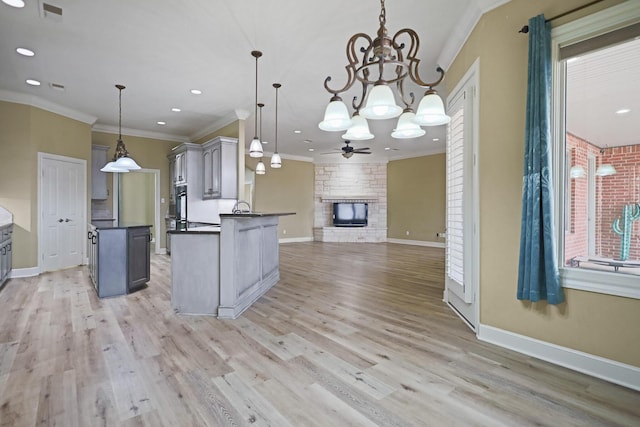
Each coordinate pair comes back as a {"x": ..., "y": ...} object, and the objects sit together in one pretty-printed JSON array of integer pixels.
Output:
[{"x": 601, "y": 282}]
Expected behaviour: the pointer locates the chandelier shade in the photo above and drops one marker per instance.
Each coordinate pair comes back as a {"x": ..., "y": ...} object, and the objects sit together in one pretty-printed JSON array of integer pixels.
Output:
[
  {"x": 431, "y": 110},
  {"x": 381, "y": 64},
  {"x": 260, "y": 168},
  {"x": 381, "y": 104},
  {"x": 276, "y": 161},
  {"x": 121, "y": 161},
  {"x": 336, "y": 116},
  {"x": 407, "y": 127},
  {"x": 359, "y": 130}
]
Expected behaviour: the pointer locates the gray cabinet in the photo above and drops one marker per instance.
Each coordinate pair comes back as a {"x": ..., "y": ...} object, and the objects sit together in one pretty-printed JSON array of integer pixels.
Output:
[
  {"x": 220, "y": 168},
  {"x": 185, "y": 158},
  {"x": 119, "y": 259},
  {"x": 98, "y": 178},
  {"x": 6, "y": 252}
]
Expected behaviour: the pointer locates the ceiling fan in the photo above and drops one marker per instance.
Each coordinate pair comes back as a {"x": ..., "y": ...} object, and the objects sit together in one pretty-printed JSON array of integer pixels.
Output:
[{"x": 347, "y": 151}]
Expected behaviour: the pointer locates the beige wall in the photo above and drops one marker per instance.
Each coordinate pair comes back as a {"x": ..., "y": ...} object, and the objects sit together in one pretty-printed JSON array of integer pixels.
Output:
[
  {"x": 416, "y": 198},
  {"x": 289, "y": 189},
  {"x": 599, "y": 324},
  {"x": 25, "y": 131}
]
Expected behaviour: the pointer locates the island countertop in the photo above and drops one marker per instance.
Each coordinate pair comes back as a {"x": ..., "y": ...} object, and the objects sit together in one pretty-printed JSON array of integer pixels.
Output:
[{"x": 254, "y": 214}]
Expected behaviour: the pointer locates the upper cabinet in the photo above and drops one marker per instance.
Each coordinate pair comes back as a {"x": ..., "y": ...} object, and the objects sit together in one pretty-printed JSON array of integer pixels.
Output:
[
  {"x": 185, "y": 162},
  {"x": 172, "y": 178},
  {"x": 98, "y": 178},
  {"x": 220, "y": 168}
]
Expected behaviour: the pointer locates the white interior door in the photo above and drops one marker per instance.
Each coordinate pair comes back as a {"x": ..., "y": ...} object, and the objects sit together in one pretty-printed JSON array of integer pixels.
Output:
[
  {"x": 62, "y": 185},
  {"x": 461, "y": 248}
]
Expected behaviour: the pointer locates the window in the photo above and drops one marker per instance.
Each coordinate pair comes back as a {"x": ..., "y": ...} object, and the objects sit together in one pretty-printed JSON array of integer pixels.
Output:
[{"x": 597, "y": 150}]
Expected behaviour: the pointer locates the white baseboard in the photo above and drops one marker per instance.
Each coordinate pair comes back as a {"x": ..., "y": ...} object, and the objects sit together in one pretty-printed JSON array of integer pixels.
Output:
[
  {"x": 296, "y": 240},
  {"x": 24, "y": 272},
  {"x": 417, "y": 243},
  {"x": 599, "y": 367}
]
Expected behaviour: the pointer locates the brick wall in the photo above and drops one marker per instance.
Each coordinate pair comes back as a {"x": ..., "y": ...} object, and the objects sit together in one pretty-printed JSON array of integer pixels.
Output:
[{"x": 612, "y": 193}]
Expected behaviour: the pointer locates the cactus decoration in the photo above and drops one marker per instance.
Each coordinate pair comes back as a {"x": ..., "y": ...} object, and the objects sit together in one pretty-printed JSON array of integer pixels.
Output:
[{"x": 630, "y": 213}]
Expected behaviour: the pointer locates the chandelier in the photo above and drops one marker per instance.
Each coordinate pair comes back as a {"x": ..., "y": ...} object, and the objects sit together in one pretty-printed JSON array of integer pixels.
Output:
[
  {"x": 121, "y": 161},
  {"x": 382, "y": 65}
]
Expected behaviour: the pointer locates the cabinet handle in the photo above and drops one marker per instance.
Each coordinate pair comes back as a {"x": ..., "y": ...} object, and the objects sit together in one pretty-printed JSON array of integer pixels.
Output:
[
  {"x": 9, "y": 246},
  {"x": 93, "y": 239},
  {"x": 4, "y": 250},
  {"x": 89, "y": 234},
  {"x": 60, "y": 220},
  {"x": 67, "y": 220}
]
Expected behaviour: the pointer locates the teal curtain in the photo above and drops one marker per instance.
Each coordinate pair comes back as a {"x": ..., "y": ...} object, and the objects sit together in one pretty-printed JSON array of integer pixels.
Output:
[{"x": 538, "y": 276}]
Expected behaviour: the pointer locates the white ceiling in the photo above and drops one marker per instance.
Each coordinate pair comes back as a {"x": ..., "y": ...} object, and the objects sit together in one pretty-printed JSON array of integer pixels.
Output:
[
  {"x": 161, "y": 49},
  {"x": 599, "y": 84}
]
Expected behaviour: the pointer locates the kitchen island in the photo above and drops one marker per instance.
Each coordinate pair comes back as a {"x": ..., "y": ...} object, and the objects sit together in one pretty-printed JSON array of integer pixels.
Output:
[
  {"x": 119, "y": 257},
  {"x": 222, "y": 270}
]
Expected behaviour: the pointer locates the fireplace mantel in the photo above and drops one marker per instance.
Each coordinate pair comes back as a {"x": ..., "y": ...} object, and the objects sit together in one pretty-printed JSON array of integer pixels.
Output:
[{"x": 359, "y": 198}]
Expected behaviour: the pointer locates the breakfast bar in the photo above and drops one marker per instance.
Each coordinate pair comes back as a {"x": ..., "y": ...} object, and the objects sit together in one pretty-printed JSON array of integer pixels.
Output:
[{"x": 222, "y": 270}]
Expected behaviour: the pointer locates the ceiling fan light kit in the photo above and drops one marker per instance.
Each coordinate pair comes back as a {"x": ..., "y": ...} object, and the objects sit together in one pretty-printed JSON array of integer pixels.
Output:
[
  {"x": 121, "y": 162},
  {"x": 381, "y": 65}
]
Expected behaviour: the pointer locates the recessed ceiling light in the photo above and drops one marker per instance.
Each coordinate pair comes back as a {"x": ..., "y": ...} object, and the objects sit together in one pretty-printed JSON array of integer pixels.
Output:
[
  {"x": 387, "y": 148},
  {"x": 33, "y": 82},
  {"x": 176, "y": 110},
  {"x": 436, "y": 139},
  {"x": 196, "y": 91},
  {"x": 14, "y": 3},
  {"x": 623, "y": 111},
  {"x": 297, "y": 131},
  {"x": 264, "y": 142},
  {"x": 162, "y": 123},
  {"x": 311, "y": 149},
  {"x": 24, "y": 51}
]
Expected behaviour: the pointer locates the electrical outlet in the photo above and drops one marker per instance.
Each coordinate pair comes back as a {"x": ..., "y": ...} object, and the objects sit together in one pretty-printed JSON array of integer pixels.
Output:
[
  {"x": 407, "y": 232},
  {"x": 284, "y": 231},
  {"x": 440, "y": 235}
]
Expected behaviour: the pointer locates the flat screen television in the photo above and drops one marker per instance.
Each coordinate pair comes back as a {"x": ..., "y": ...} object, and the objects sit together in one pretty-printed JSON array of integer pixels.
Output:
[{"x": 350, "y": 214}]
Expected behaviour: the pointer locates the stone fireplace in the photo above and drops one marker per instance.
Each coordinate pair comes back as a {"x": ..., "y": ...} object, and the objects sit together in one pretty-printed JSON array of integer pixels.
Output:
[{"x": 350, "y": 182}]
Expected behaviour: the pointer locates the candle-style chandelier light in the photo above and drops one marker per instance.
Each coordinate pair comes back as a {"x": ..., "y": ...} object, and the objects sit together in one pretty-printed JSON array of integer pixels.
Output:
[{"x": 382, "y": 65}]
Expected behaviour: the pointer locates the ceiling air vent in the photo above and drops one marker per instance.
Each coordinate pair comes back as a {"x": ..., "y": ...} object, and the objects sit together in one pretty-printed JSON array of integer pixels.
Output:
[
  {"x": 57, "y": 86},
  {"x": 49, "y": 11}
]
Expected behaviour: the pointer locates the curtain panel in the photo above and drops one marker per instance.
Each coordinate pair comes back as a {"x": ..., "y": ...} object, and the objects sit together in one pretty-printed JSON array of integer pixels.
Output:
[{"x": 538, "y": 275}]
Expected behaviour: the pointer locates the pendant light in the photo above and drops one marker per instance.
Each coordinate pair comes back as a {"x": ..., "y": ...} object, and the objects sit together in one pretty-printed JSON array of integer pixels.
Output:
[
  {"x": 255, "y": 149},
  {"x": 407, "y": 127},
  {"x": 260, "y": 168},
  {"x": 276, "y": 161},
  {"x": 121, "y": 161},
  {"x": 606, "y": 169}
]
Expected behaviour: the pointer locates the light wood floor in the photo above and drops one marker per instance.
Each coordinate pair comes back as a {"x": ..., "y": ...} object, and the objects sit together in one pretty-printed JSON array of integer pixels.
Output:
[{"x": 353, "y": 334}]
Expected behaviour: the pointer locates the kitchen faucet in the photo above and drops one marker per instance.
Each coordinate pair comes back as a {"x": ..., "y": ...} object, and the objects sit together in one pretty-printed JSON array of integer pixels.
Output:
[{"x": 237, "y": 210}]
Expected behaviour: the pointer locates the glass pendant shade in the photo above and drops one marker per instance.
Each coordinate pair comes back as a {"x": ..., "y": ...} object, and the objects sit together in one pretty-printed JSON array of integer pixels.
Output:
[
  {"x": 407, "y": 127},
  {"x": 381, "y": 104},
  {"x": 255, "y": 149},
  {"x": 260, "y": 168},
  {"x": 111, "y": 167},
  {"x": 276, "y": 161},
  {"x": 336, "y": 116},
  {"x": 431, "y": 111},
  {"x": 605, "y": 170},
  {"x": 576, "y": 172},
  {"x": 127, "y": 163},
  {"x": 359, "y": 130}
]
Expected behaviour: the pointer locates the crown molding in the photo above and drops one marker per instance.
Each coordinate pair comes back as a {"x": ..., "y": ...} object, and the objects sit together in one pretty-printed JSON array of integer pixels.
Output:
[
  {"x": 139, "y": 133},
  {"x": 43, "y": 104},
  {"x": 287, "y": 156},
  {"x": 430, "y": 152},
  {"x": 217, "y": 125},
  {"x": 461, "y": 32}
]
